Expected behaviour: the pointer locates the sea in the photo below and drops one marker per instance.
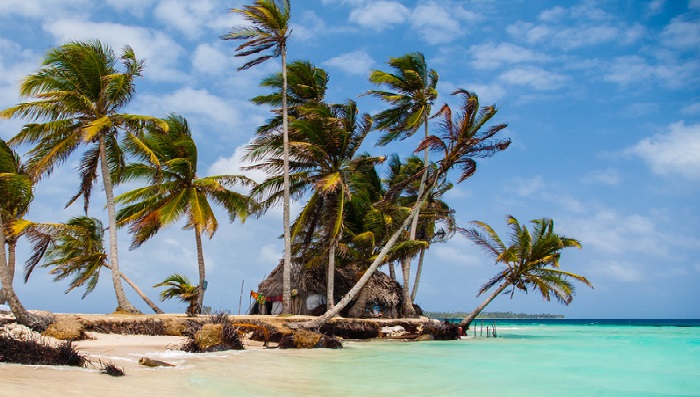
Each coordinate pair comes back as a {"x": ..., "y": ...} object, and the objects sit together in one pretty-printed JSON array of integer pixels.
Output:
[{"x": 554, "y": 357}]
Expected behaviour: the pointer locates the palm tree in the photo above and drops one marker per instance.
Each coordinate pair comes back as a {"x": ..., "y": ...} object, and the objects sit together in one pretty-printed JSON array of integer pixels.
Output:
[
  {"x": 179, "y": 287},
  {"x": 79, "y": 92},
  {"x": 325, "y": 141},
  {"x": 531, "y": 261},
  {"x": 270, "y": 30},
  {"x": 176, "y": 191},
  {"x": 15, "y": 205},
  {"x": 15, "y": 191},
  {"x": 74, "y": 249},
  {"x": 461, "y": 142},
  {"x": 412, "y": 92}
]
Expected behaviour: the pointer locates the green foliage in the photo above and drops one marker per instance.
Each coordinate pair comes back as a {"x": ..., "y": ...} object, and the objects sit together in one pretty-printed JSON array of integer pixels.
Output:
[
  {"x": 179, "y": 287},
  {"x": 491, "y": 315}
]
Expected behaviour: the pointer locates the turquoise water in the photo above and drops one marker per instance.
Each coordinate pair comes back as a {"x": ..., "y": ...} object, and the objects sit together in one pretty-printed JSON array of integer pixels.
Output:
[{"x": 541, "y": 358}]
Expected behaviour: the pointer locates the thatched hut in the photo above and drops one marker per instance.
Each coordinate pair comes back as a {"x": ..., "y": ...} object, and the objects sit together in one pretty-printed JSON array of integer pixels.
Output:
[{"x": 380, "y": 297}]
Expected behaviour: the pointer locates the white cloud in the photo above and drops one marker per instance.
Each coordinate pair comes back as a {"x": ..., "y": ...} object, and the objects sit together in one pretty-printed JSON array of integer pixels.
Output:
[
  {"x": 270, "y": 254},
  {"x": 459, "y": 254},
  {"x": 441, "y": 23},
  {"x": 681, "y": 34},
  {"x": 47, "y": 10},
  {"x": 620, "y": 271},
  {"x": 534, "y": 77},
  {"x": 602, "y": 177},
  {"x": 210, "y": 59},
  {"x": 187, "y": 16},
  {"x": 356, "y": 62},
  {"x": 491, "y": 56},
  {"x": 134, "y": 7},
  {"x": 234, "y": 166},
  {"x": 655, "y": 7},
  {"x": 379, "y": 15},
  {"x": 632, "y": 69},
  {"x": 691, "y": 109},
  {"x": 160, "y": 51},
  {"x": 529, "y": 187},
  {"x": 611, "y": 232},
  {"x": 674, "y": 152}
]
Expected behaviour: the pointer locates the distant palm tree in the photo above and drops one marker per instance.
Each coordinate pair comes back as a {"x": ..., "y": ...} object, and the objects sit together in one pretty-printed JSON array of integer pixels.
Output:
[
  {"x": 15, "y": 190},
  {"x": 531, "y": 261},
  {"x": 74, "y": 249},
  {"x": 179, "y": 287},
  {"x": 176, "y": 191},
  {"x": 270, "y": 30},
  {"x": 412, "y": 92},
  {"x": 461, "y": 142},
  {"x": 79, "y": 92}
]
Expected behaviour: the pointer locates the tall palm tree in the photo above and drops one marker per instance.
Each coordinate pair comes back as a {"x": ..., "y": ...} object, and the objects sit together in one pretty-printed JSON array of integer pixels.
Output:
[
  {"x": 180, "y": 287},
  {"x": 531, "y": 261},
  {"x": 324, "y": 144},
  {"x": 74, "y": 249},
  {"x": 270, "y": 31},
  {"x": 78, "y": 94},
  {"x": 412, "y": 90},
  {"x": 15, "y": 205},
  {"x": 176, "y": 191},
  {"x": 14, "y": 188},
  {"x": 461, "y": 142}
]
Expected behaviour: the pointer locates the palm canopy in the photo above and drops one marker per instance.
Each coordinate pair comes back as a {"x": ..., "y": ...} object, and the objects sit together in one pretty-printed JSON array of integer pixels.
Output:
[
  {"x": 16, "y": 192},
  {"x": 531, "y": 259},
  {"x": 269, "y": 30},
  {"x": 176, "y": 190},
  {"x": 411, "y": 91},
  {"x": 179, "y": 287},
  {"x": 79, "y": 92}
]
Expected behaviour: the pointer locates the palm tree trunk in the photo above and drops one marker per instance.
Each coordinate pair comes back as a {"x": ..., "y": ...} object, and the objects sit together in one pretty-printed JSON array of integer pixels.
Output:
[
  {"x": 468, "y": 320},
  {"x": 406, "y": 264},
  {"x": 11, "y": 265},
  {"x": 21, "y": 314},
  {"x": 392, "y": 271},
  {"x": 122, "y": 302},
  {"x": 330, "y": 277},
  {"x": 200, "y": 263},
  {"x": 317, "y": 322},
  {"x": 287, "y": 267},
  {"x": 419, "y": 270},
  {"x": 141, "y": 294}
]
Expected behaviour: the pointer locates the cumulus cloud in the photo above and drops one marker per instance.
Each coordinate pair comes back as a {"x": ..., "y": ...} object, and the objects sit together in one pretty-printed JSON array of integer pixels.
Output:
[
  {"x": 620, "y": 271},
  {"x": 440, "y": 23},
  {"x": 210, "y": 59},
  {"x": 459, "y": 255},
  {"x": 47, "y": 10},
  {"x": 682, "y": 34},
  {"x": 632, "y": 69},
  {"x": 187, "y": 16},
  {"x": 674, "y": 152},
  {"x": 611, "y": 232},
  {"x": 234, "y": 165},
  {"x": 356, "y": 62},
  {"x": 134, "y": 7},
  {"x": 534, "y": 77},
  {"x": 379, "y": 15},
  {"x": 492, "y": 56},
  {"x": 160, "y": 51},
  {"x": 691, "y": 109}
]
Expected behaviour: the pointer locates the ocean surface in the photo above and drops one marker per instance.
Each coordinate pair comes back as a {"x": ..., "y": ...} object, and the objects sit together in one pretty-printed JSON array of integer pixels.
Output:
[{"x": 527, "y": 358}]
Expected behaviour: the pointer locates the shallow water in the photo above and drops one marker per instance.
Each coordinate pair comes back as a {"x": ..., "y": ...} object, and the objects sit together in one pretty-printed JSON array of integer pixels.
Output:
[{"x": 527, "y": 359}]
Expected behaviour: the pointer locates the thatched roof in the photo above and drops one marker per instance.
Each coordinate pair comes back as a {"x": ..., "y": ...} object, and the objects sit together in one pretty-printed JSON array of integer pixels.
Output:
[{"x": 380, "y": 287}]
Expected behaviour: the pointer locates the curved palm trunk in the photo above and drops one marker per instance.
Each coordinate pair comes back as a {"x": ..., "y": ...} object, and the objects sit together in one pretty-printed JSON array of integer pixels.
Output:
[
  {"x": 21, "y": 314},
  {"x": 200, "y": 263},
  {"x": 468, "y": 320},
  {"x": 287, "y": 267},
  {"x": 406, "y": 264},
  {"x": 317, "y": 322},
  {"x": 122, "y": 302},
  {"x": 419, "y": 271},
  {"x": 141, "y": 294}
]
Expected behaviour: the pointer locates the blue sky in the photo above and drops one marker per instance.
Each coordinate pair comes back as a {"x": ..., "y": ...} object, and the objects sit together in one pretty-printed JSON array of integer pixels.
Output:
[{"x": 602, "y": 100}]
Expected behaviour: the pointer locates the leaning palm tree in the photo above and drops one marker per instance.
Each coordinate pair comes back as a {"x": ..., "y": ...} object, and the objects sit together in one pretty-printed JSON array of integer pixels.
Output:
[
  {"x": 78, "y": 94},
  {"x": 180, "y": 287},
  {"x": 531, "y": 262},
  {"x": 461, "y": 142},
  {"x": 270, "y": 30},
  {"x": 412, "y": 90},
  {"x": 15, "y": 189},
  {"x": 176, "y": 191},
  {"x": 74, "y": 249}
]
